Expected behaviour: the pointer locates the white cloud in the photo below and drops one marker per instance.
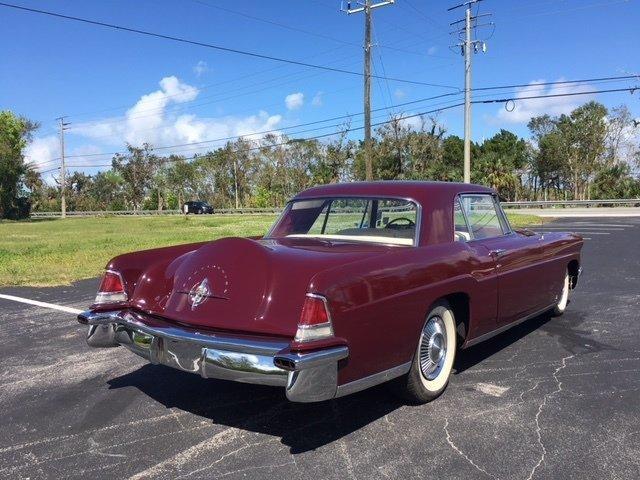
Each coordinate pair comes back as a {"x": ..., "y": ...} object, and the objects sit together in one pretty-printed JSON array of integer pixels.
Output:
[
  {"x": 432, "y": 50},
  {"x": 525, "y": 108},
  {"x": 200, "y": 68},
  {"x": 42, "y": 151},
  {"x": 151, "y": 121},
  {"x": 317, "y": 99},
  {"x": 399, "y": 94},
  {"x": 294, "y": 101}
]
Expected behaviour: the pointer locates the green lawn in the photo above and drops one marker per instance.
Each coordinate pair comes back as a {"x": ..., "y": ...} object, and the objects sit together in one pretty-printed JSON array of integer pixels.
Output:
[{"x": 58, "y": 252}]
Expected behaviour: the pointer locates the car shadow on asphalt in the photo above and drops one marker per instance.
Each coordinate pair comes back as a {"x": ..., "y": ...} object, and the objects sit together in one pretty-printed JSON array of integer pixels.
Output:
[
  {"x": 300, "y": 426},
  {"x": 303, "y": 427},
  {"x": 565, "y": 330},
  {"x": 472, "y": 356}
]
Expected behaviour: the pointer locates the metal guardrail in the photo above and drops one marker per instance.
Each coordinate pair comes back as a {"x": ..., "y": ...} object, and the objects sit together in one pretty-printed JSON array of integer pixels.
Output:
[
  {"x": 627, "y": 202},
  {"x": 632, "y": 202},
  {"x": 151, "y": 213}
]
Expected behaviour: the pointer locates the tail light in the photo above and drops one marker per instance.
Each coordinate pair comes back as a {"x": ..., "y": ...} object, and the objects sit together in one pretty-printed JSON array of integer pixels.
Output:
[
  {"x": 315, "y": 320},
  {"x": 111, "y": 289}
]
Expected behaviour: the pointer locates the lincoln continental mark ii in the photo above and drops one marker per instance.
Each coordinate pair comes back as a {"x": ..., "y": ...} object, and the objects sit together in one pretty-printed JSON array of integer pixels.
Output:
[{"x": 354, "y": 285}]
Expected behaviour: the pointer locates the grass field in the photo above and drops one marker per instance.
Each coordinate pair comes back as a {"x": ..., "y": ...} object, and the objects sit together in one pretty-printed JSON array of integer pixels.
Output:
[{"x": 58, "y": 252}]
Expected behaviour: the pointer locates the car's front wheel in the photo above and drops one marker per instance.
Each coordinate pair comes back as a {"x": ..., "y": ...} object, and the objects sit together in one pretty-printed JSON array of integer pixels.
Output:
[{"x": 433, "y": 359}]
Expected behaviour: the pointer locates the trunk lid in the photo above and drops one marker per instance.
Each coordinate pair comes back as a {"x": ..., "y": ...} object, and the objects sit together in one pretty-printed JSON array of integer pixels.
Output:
[{"x": 243, "y": 285}]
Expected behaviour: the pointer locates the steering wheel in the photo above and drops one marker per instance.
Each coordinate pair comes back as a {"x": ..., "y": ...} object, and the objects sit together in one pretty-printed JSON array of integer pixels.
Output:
[{"x": 410, "y": 223}]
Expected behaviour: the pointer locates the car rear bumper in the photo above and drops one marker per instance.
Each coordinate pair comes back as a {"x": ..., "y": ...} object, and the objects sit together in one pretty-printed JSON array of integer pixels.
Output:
[{"x": 307, "y": 377}]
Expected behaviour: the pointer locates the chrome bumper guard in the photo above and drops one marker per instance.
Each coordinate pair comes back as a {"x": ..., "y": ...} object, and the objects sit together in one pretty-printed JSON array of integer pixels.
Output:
[{"x": 307, "y": 377}]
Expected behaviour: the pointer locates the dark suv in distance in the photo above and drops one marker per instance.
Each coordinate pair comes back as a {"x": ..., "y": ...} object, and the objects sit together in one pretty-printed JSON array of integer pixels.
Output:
[{"x": 196, "y": 207}]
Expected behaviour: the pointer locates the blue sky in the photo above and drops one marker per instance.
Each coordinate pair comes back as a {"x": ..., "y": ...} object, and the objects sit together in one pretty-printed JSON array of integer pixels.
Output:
[{"x": 118, "y": 87}]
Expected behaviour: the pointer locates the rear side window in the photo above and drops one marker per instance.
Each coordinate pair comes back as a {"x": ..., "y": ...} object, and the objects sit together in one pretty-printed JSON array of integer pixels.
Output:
[
  {"x": 483, "y": 216},
  {"x": 460, "y": 227}
]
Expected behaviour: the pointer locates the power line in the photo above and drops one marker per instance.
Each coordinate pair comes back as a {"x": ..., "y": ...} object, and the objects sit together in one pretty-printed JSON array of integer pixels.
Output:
[
  {"x": 500, "y": 87},
  {"x": 386, "y": 108},
  {"x": 423, "y": 15},
  {"x": 558, "y": 82},
  {"x": 212, "y": 46},
  {"x": 554, "y": 95},
  {"x": 574, "y": 9},
  {"x": 266, "y": 132},
  {"x": 384, "y": 71},
  {"x": 470, "y": 41},
  {"x": 277, "y": 24},
  {"x": 294, "y": 140},
  {"x": 215, "y": 98},
  {"x": 406, "y": 117},
  {"x": 217, "y": 84}
]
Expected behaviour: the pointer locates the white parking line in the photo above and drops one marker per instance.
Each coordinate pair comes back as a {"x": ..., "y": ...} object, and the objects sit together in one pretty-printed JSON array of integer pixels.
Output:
[
  {"x": 599, "y": 224},
  {"x": 573, "y": 228},
  {"x": 574, "y": 231},
  {"x": 52, "y": 306}
]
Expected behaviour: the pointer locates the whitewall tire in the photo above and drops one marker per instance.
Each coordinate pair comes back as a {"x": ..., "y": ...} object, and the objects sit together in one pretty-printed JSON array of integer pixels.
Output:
[
  {"x": 563, "y": 300},
  {"x": 433, "y": 358}
]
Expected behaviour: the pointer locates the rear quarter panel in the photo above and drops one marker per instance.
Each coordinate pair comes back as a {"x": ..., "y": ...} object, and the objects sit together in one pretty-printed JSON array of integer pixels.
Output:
[
  {"x": 379, "y": 305},
  {"x": 558, "y": 250}
]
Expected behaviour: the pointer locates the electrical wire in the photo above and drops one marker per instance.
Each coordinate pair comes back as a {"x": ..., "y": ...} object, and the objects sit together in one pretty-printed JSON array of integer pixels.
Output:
[
  {"x": 212, "y": 46},
  {"x": 555, "y": 95},
  {"x": 396, "y": 106},
  {"x": 315, "y": 137},
  {"x": 277, "y": 24},
  {"x": 558, "y": 82},
  {"x": 512, "y": 99},
  {"x": 423, "y": 15},
  {"x": 405, "y": 117},
  {"x": 266, "y": 132}
]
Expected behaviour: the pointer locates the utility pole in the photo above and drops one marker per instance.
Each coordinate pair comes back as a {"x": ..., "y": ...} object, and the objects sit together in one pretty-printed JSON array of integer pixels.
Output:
[
  {"x": 63, "y": 169},
  {"x": 466, "y": 45},
  {"x": 366, "y": 7},
  {"x": 235, "y": 180}
]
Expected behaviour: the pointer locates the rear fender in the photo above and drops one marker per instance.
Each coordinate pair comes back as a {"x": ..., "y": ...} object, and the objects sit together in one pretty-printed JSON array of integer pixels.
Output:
[{"x": 379, "y": 305}]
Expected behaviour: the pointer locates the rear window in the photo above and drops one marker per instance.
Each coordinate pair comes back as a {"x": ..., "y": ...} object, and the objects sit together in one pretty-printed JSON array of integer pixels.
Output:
[{"x": 377, "y": 220}]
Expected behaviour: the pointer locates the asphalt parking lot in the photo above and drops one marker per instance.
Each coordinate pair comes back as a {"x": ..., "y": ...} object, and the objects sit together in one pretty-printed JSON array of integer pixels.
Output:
[{"x": 552, "y": 398}]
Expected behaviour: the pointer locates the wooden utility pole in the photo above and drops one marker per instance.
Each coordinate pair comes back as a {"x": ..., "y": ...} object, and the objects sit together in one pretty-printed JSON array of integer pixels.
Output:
[
  {"x": 63, "y": 170},
  {"x": 366, "y": 7},
  {"x": 467, "y": 45},
  {"x": 467, "y": 95}
]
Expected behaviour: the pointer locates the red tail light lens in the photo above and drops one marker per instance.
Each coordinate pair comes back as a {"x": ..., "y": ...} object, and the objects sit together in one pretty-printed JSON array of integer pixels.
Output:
[
  {"x": 315, "y": 320},
  {"x": 111, "y": 289}
]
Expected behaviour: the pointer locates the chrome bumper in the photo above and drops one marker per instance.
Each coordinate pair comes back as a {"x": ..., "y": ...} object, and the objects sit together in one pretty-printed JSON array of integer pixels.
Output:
[{"x": 307, "y": 377}]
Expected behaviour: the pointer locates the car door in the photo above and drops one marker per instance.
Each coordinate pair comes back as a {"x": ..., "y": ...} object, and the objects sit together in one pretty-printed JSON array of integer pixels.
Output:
[{"x": 513, "y": 254}]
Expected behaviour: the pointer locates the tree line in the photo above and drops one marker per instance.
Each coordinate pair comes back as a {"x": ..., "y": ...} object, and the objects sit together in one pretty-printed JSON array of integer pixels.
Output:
[{"x": 590, "y": 153}]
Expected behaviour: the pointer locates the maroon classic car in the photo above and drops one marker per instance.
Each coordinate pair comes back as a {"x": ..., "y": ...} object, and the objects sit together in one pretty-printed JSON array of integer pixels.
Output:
[{"x": 354, "y": 285}]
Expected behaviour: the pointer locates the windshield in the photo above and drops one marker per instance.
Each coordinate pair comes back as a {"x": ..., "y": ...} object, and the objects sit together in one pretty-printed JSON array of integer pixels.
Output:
[{"x": 377, "y": 220}]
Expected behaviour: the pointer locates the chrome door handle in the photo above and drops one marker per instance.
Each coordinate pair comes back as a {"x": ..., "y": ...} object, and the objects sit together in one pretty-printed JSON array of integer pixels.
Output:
[{"x": 497, "y": 252}]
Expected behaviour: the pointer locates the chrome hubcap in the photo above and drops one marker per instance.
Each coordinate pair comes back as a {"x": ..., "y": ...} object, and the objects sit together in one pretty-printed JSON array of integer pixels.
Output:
[{"x": 433, "y": 348}]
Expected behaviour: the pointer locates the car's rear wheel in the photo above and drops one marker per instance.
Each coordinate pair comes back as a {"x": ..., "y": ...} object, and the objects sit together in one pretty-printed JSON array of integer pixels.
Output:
[
  {"x": 563, "y": 301},
  {"x": 433, "y": 359}
]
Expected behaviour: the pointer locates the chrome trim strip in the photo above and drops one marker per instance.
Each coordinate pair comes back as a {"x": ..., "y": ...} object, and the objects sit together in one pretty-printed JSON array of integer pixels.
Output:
[
  {"x": 309, "y": 377},
  {"x": 170, "y": 332},
  {"x": 371, "y": 380},
  {"x": 504, "y": 328}
]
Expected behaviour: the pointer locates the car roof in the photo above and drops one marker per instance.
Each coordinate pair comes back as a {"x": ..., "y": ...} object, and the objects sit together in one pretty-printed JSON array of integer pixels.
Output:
[{"x": 409, "y": 189}]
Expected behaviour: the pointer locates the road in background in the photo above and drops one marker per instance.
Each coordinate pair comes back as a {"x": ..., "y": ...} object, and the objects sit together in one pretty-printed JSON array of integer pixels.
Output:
[
  {"x": 551, "y": 398},
  {"x": 580, "y": 212}
]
